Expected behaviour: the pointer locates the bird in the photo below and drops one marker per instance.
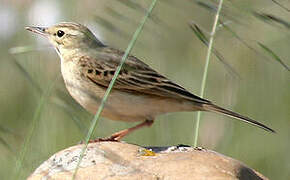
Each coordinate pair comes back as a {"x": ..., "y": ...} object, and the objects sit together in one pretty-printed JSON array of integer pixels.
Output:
[{"x": 139, "y": 94}]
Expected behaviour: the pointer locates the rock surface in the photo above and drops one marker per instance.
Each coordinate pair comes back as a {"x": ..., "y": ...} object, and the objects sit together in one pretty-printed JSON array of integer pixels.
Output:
[{"x": 119, "y": 160}]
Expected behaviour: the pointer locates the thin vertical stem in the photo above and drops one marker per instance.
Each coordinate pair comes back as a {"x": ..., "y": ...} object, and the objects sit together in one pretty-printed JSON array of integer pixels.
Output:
[
  {"x": 205, "y": 72},
  {"x": 35, "y": 121}
]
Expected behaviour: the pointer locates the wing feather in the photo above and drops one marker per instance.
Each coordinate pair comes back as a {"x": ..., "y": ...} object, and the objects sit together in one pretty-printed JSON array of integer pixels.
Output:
[{"x": 135, "y": 76}]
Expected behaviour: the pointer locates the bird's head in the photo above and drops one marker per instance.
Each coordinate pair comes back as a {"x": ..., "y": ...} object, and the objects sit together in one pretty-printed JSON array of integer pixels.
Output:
[{"x": 68, "y": 36}]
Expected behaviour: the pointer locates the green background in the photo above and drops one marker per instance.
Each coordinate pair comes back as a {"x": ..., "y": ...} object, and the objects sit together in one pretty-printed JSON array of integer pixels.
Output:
[{"x": 30, "y": 70}]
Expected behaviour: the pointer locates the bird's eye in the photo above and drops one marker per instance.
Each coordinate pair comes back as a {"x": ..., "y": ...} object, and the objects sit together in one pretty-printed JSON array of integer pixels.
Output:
[{"x": 60, "y": 33}]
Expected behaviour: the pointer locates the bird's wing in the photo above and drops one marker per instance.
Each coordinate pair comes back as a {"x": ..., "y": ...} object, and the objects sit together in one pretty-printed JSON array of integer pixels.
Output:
[{"x": 134, "y": 77}]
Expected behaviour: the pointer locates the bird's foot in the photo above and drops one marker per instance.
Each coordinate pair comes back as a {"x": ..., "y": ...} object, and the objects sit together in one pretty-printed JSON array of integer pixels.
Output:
[
  {"x": 116, "y": 137},
  {"x": 109, "y": 139},
  {"x": 112, "y": 138}
]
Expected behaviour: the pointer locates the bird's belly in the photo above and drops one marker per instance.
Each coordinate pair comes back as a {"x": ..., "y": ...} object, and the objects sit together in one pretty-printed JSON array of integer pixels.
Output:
[{"x": 121, "y": 105}]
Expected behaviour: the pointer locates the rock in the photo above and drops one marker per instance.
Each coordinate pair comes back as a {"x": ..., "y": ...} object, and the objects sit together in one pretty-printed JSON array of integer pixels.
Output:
[{"x": 119, "y": 160}]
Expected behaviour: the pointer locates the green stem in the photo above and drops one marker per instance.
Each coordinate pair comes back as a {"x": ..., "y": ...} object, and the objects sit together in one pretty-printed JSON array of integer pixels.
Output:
[
  {"x": 97, "y": 115},
  {"x": 20, "y": 159},
  {"x": 205, "y": 72}
]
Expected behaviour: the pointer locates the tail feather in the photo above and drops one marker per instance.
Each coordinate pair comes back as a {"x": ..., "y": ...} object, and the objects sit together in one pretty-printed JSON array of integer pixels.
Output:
[{"x": 215, "y": 108}]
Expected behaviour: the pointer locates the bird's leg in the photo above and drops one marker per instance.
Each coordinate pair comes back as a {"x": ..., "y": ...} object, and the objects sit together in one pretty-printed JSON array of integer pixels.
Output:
[{"x": 119, "y": 135}]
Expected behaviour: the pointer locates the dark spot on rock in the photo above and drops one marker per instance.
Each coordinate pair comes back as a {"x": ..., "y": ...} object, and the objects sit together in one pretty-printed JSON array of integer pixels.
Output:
[
  {"x": 112, "y": 72},
  {"x": 105, "y": 73},
  {"x": 90, "y": 70},
  {"x": 98, "y": 72}
]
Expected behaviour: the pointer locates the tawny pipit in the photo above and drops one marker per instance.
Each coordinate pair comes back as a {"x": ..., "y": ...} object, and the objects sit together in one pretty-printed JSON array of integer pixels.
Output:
[{"x": 139, "y": 94}]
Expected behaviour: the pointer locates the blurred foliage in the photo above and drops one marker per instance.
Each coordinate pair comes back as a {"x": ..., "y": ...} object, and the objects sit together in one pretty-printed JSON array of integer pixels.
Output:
[{"x": 252, "y": 41}]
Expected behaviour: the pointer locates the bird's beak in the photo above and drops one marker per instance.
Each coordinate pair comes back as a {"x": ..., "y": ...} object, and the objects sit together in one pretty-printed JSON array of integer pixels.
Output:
[{"x": 38, "y": 30}]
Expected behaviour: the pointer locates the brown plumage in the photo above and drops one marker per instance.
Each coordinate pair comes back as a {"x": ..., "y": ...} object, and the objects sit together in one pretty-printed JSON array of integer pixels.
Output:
[{"x": 139, "y": 93}]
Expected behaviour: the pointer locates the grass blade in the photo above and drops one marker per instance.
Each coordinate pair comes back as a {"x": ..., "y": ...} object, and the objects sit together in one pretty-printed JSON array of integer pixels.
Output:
[
  {"x": 32, "y": 128},
  {"x": 6, "y": 130},
  {"x": 244, "y": 42},
  {"x": 110, "y": 26},
  {"x": 274, "y": 55},
  {"x": 97, "y": 115},
  {"x": 271, "y": 18},
  {"x": 6, "y": 145},
  {"x": 281, "y": 6},
  {"x": 203, "y": 83},
  {"x": 26, "y": 49},
  {"x": 70, "y": 107},
  {"x": 134, "y": 5},
  {"x": 201, "y": 36},
  {"x": 26, "y": 75}
]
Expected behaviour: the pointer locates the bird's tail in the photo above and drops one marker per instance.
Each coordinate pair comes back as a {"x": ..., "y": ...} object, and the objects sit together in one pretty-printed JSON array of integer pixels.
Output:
[{"x": 217, "y": 109}]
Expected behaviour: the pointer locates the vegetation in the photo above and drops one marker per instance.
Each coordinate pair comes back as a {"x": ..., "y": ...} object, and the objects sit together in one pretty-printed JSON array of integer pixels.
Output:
[{"x": 248, "y": 73}]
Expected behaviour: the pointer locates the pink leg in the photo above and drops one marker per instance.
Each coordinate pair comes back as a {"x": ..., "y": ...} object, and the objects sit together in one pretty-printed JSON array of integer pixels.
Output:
[{"x": 119, "y": 135}]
